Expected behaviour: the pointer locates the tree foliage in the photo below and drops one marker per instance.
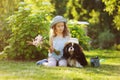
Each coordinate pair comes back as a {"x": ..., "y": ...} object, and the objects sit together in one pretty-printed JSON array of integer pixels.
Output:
[
  {"x": 30, "y": 20},
  {"x": 59, "y": 4},
  {"x": 80, "y": 32},
  {"x": 74, "y": 10},
  {"x": 102, "y": 15},
  {"x": 7, "y": 7},
  {"x": 113, "y": 8},
  {"x": 32, "y": 17}
]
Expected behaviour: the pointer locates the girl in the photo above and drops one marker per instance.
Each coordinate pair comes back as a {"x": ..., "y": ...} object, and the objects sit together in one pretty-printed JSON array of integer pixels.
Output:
[{"x": 59, "y": 35}]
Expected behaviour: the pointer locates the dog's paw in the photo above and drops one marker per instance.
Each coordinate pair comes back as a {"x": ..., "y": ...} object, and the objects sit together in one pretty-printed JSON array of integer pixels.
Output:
[{"x": 78, "y": 65}]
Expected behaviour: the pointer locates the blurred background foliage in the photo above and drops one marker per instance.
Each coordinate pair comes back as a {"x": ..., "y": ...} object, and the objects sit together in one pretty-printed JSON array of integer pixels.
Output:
[{"x": 22, "y": 20}]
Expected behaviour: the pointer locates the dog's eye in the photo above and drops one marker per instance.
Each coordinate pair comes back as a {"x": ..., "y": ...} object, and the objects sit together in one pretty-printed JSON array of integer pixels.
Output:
[
  {"x": 75, "y": 45},
  {"x": 69, "y": 45}
]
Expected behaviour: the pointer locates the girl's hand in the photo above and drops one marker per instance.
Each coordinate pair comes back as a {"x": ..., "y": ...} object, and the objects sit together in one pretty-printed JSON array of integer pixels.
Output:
[
  {"x": 51, "y": 50},
  {"x": 56, "y": 51},
  {"x": 30, "y": 42}
]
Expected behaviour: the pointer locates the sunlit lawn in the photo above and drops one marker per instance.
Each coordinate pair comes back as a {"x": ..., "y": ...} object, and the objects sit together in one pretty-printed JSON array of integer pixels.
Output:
[{"x": 109, "y": 69}]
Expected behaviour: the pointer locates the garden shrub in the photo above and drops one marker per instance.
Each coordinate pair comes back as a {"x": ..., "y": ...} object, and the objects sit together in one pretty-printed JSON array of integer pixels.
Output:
[
  {"x": 2, "y": 56},
  {"x": 106, "y": 39},
  {"x": 80, "y": 32},
  {"x": 29, "y": 21},
  {"x": 116, "y": 47}
]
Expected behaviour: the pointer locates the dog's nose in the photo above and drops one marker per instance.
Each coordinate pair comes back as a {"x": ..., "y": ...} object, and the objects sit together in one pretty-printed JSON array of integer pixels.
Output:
[{"x": 71, "y": 48}]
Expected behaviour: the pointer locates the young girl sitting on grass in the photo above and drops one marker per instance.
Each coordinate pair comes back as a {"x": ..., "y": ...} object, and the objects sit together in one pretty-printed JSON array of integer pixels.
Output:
[{"x": 59, "y": 35}]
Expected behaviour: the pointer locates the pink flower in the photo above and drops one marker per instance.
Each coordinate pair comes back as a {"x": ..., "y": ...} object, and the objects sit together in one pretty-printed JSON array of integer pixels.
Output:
[{"x": 38, "y": 41}]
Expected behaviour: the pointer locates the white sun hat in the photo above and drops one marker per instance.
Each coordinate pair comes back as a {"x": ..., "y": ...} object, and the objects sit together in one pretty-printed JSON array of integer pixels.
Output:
[{"x": 73, "y": 40}]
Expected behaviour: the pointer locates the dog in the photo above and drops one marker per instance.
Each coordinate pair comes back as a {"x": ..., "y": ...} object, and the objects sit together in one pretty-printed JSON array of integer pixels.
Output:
[{"x": 74, "y": 55}]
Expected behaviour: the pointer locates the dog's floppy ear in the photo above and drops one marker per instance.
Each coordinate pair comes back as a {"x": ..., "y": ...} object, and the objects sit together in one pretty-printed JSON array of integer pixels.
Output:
[
  {"x": 78, "y": 49},
  {"x": 65, "y": 52},
  {"x": 80, "y": 55}
]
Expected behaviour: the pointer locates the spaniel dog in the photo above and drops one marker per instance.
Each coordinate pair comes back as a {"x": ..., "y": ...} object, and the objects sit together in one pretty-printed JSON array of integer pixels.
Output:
[{"x": 74, "y": 55}]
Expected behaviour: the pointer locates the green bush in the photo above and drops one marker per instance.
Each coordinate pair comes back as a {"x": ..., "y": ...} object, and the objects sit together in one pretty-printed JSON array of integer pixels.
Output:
[
  {"x": 106, "y": 39},
  {"x": 116, "y": 47},
  {"x": 29, "y": 21},
  {"x": 2, "y": 56},
  {"x": 80, "y": 32}
]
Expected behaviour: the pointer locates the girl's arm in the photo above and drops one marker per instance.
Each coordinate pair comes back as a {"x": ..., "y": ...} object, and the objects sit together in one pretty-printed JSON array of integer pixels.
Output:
[{"x": 51, "y": 49}]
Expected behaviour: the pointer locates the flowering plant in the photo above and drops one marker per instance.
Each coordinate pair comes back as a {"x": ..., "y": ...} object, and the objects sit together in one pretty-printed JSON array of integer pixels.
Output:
[{"x": 39, "y": 43}]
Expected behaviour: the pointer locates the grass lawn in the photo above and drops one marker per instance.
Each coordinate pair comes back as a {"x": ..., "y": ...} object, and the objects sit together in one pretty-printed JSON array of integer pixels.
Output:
[{"x": 109, "y": 69}]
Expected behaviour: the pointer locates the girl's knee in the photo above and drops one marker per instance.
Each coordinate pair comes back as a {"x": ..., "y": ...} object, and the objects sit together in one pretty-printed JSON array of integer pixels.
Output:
[
  {"x": 52, "y": 62},
  {"x": 62, "y": 62}
]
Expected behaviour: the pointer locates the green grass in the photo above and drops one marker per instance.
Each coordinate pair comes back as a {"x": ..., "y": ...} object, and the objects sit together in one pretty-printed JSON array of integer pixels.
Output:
[{"x": 25, "y": 70}]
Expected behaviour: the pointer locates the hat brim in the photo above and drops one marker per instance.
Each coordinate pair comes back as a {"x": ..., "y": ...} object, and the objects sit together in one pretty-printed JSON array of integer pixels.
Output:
[{"x": 53, "y": 23}]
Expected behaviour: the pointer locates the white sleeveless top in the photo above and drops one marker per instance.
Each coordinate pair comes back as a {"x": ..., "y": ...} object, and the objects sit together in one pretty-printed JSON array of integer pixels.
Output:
[{"x": 58, "y": 44}]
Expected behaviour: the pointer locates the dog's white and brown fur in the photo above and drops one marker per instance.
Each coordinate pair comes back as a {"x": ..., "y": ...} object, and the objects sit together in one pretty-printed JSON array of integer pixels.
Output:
[{"x": 74, "y": 55}]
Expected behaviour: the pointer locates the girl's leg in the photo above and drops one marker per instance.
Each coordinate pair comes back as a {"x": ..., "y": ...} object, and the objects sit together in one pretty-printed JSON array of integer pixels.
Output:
[
  {"x": 62, "y": 62},
  {"x": 52, "y": 62}
]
